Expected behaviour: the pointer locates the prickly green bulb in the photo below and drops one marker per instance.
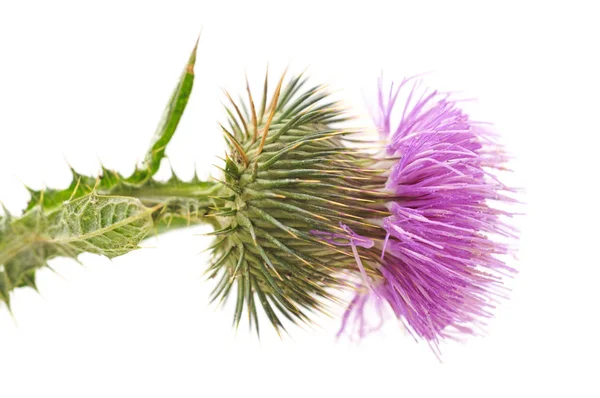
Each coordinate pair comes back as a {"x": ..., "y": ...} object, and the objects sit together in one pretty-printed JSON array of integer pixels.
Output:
[{"x": 289, "y": 173}]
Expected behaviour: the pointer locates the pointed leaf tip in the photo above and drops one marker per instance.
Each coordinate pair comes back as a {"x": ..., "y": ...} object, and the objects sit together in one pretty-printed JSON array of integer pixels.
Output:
[
  {"x": 170, "y": 120},
  {"x": 192, "y": 62}
]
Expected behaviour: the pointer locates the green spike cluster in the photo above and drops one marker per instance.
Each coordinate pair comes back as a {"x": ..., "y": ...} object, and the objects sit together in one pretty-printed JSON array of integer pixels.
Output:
[{"x": 288, "y": 172}]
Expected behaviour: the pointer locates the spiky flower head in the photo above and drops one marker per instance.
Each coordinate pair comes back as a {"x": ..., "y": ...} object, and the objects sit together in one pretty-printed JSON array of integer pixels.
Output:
[{"x": 411, "y": 227}]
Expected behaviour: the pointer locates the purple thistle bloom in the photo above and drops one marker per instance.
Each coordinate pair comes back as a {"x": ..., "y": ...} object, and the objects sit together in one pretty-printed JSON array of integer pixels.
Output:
[
  {"x": 441, "y": 261},
  {"x": 297, "y": 213}
]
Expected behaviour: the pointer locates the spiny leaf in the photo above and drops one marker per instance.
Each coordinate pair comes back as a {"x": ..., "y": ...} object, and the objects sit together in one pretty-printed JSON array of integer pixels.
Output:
[
  {"x": 106, "y": 225},
  {"x": 109, "y": 181},
  {"x": 171, "y": 117}
]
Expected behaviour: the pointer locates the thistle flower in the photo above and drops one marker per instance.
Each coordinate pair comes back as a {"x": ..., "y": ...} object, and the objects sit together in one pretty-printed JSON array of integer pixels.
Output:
[
  {"x": 440, "y": 269},
  {"x": 299, "y": 215}
]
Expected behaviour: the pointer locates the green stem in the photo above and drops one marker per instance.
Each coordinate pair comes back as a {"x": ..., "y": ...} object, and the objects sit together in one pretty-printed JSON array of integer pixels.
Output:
[{"x": 180, "y": 204}]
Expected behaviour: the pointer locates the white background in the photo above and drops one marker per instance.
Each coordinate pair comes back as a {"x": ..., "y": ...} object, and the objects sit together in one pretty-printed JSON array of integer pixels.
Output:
[{"x": 87, "y": 83}]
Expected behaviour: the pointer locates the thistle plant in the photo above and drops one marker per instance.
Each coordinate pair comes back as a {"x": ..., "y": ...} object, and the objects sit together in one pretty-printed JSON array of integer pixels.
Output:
[{"x": 304, "y": 209}]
